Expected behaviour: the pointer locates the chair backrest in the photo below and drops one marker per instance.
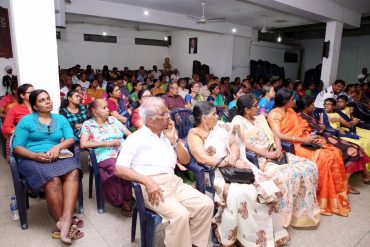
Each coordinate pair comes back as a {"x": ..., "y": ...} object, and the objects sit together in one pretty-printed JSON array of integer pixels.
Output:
[{"x": 184, "y": 121}]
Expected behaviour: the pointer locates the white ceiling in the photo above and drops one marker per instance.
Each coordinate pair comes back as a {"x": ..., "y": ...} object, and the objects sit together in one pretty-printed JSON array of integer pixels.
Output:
[
  {"x": 235, "y": 11},
  {"x": 362, "y": 6}
]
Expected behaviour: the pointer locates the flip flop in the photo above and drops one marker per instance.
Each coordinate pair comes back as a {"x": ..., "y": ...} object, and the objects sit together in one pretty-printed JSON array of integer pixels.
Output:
[
  {"x": 127, "y": 213},
  {"x": 353, "y": 191},
  {"x": 77, "y": 222},
  {"x": 55, "y": 234}
]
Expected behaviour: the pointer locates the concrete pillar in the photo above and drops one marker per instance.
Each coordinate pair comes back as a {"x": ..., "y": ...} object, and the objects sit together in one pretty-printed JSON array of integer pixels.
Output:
[
  {"x": 35, "y": 46},
  {"x": 330, "y": 65}
]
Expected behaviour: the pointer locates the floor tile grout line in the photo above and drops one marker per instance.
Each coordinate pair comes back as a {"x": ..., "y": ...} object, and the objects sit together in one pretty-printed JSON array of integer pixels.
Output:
[
  {"x": 96, "y": 229},
  {"x": 359, "y": 241}
]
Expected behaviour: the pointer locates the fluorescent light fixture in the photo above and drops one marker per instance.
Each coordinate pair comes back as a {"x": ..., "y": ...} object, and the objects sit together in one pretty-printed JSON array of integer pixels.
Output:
[
  {"x": 165, "y": 38},
  {"x": 279, "y": 38},
  {"x": 146, "y": 12},
  {"x": 233, "y": 30},
  {"x": 104, "y": 33}
]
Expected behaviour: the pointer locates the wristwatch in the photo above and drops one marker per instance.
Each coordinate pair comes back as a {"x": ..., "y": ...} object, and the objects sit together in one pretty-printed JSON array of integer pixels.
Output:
[{"x": 176, "y": 142}]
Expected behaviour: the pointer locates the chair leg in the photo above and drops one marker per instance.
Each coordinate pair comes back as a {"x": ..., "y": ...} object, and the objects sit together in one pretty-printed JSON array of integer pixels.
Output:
[
  {"x": 99, "y": 195},
  {"x": 152, "y": 223},
  {"x": 80, "y": 206},
  {"x": 91, "y": 180},
  {"x": 22, "y": 199},
  {"x": 133, "y": 225}
]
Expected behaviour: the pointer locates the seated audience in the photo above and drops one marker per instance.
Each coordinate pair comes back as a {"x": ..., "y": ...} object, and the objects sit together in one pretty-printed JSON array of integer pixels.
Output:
[
  {"x": 138, "y": 85},
  {"x": 332, "y": 185},
  {"x": 67, "y": 81},
  {"x": 175, "y": 75},
  {"x": 216, "y": 98},
  {"x": 298, "y": 88},
  {"x": 151, "y": 163},
  {"x": 116, "y": 106},
  {"x": 267, "y": 101},
  {"x": 9, "y": 100},
  {"x": 297, "y": 176},
  {"x": 135, "y": 118},
  {"x": 85, "y": 98},
  {"x": 236, "y": 92},
  {"x": 330, "y": 92},
  {"x": 183, "y": 91},
  {"x": 172, "y": 99},
  {"x": 75, "y": 112},
  {"x": 311, "y": 90},
  {"x": 94, "y": 91},
  {"x": 83, "y": 82},
  {"x": 194, "y": 96},
  {"x": 218, "y": 145},
  {"x": 354, "y": 157},
  {"x": 15, "y": 114},
  {"x": 205, "y": 90},
  {"x": 157, "y": 88},
  {"x": 163, "y": 80},
  {"x": 106, "y": 134},
  {"x": 39, "y": 138}
]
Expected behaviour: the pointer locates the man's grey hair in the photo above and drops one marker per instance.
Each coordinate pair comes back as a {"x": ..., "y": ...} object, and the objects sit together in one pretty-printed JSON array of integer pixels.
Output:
[{"x": 150, "y": 107}]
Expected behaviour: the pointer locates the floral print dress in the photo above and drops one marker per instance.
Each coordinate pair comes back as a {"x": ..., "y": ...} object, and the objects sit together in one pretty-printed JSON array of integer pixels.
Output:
[
  {"x": 297, "y": 180},
  {"x": 248, "y": 216}
]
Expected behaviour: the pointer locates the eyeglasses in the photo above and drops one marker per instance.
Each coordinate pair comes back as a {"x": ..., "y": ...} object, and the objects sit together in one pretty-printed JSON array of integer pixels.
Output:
[
  {"x": 164, "y": 114},
  {"x": 328, "y": 104},
  {"x": 28, "y": 92},
  {"x": 255, "y": 105}
]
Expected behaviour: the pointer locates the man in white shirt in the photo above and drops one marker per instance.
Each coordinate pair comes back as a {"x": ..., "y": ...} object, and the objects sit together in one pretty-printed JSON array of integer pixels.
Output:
[
  {"x": 182, "y": 88},
  {"x": 85, "y": 84},
  {"x": 155, "y": 73},
  {"x": 364, "y": 76},
  {"x": 148, "y": 156},
  {"x": 330, "y": 92}
]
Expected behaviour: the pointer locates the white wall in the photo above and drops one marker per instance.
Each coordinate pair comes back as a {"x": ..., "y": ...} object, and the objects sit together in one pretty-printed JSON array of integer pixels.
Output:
[
  {"x": 72, "y": 49},
  {"x": 241, "y": 64},
  {"x": 274, "y": 53},
  {"x": 354, "y": 55},
  {"x": 215, "y": 50},
  {"x": 6, "y": 61}
]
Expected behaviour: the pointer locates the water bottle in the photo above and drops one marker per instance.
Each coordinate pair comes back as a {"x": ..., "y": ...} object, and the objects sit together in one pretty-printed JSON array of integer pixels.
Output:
[{"x": 13, "y": 208}]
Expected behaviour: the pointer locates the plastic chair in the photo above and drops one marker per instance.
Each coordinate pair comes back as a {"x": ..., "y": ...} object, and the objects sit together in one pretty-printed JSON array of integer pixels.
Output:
[
  {"x": 21, "y": 187},
  {"x": 95, "y": 173},
  {"x": 184, "y": 121}
]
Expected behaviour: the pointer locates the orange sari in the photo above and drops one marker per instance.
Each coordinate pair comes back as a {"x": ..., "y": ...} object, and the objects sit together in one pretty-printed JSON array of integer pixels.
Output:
[{"x": 332, "y": 187}]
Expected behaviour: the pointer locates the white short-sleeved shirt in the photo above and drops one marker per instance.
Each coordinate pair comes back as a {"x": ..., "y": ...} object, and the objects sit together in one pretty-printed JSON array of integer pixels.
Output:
[
  {"x": 85, "y": 85},
  {"x": 147, "y": 153},
  {"x": 323, "y": 95}
]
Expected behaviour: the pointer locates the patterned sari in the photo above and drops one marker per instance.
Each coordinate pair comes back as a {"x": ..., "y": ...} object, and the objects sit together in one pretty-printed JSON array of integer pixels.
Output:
[
  {"x": 248, "y": 216},
  {"x": 332, "y": 187},
  {"x": 297, "y": 180}
]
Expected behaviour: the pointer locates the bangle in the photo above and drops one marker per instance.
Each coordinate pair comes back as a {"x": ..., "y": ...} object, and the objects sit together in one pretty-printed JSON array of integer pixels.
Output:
[{"x": 293, "y": 138}]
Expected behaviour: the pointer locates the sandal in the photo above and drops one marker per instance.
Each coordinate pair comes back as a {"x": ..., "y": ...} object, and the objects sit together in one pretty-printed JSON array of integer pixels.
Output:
[
  {"x": 75, "y": 233},
  {"x": 77, "y": 222},
  {"x": 55, "y": 234},
  {"x": 66, "y": 240},
  {"x": 353, "y": 191}
]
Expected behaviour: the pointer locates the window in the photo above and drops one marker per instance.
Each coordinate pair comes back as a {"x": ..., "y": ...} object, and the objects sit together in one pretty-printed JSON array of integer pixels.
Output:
[{"x": 100, "y": 38}]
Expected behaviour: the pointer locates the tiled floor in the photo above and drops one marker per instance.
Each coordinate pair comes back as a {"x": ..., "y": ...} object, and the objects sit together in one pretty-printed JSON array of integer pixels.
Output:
[{"x": 113, "y": 229}]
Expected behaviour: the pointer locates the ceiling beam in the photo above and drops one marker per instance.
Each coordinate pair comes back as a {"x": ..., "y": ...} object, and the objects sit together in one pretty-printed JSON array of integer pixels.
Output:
[
  {"x": 134, "y": 13},
  {"x": 318, "y": 10}
]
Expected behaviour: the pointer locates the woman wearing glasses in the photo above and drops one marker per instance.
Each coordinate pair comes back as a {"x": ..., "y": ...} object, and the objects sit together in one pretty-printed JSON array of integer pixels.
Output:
[
  {"x": 332, "y": 186},
  {"x": 136, "y": 120},
  {"x": 38, "y": 139},
  {"x": 105, "y": 135}
]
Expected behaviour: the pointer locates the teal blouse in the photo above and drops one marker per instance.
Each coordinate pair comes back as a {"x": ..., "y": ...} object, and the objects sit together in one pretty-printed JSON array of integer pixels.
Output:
[{"x": 31, "y": 134}]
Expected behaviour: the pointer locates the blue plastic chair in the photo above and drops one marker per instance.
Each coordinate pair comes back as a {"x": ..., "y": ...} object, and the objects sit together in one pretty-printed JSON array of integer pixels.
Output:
[
  {"x": 95, "y": 173},
  {"x": 21, "y": 188},
  {"x": 184, "y": 121}
]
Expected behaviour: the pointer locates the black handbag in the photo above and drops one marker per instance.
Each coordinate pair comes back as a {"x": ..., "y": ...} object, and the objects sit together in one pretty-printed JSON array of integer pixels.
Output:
[
  {"x": 237, "y": 175},
  {"x": 312, "y": 146}
]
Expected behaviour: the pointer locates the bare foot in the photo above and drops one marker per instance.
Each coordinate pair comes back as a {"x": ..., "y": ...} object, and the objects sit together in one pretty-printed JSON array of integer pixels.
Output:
[{"x": 64, "y": 225}]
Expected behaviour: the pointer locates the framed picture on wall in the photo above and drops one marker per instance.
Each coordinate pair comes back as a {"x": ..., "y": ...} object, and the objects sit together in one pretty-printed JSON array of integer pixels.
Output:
[{"x": 193, "y": 45}]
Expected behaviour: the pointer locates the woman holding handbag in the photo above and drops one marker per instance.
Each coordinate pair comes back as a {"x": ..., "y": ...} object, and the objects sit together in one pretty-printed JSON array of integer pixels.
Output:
[{"x": 247, "y": 213}]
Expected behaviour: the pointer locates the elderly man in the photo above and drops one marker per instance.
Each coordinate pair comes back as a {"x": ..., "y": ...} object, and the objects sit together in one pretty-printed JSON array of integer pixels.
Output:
[
  {"x": 172, "y": 99},
  {"x": 148, "y": 156}
]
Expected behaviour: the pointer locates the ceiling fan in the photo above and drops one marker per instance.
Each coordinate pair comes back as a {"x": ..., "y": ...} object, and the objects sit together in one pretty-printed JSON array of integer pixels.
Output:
[
  {"x": 264, "y": 29},
  {"x": 203, "y": 19}
]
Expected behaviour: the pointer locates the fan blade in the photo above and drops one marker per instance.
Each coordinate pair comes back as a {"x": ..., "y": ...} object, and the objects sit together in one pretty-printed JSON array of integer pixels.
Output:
[
  {"x": 201, "y": 22},
  {"x": 216, "y": 19},
  {"x": 194, "y": 17}
]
